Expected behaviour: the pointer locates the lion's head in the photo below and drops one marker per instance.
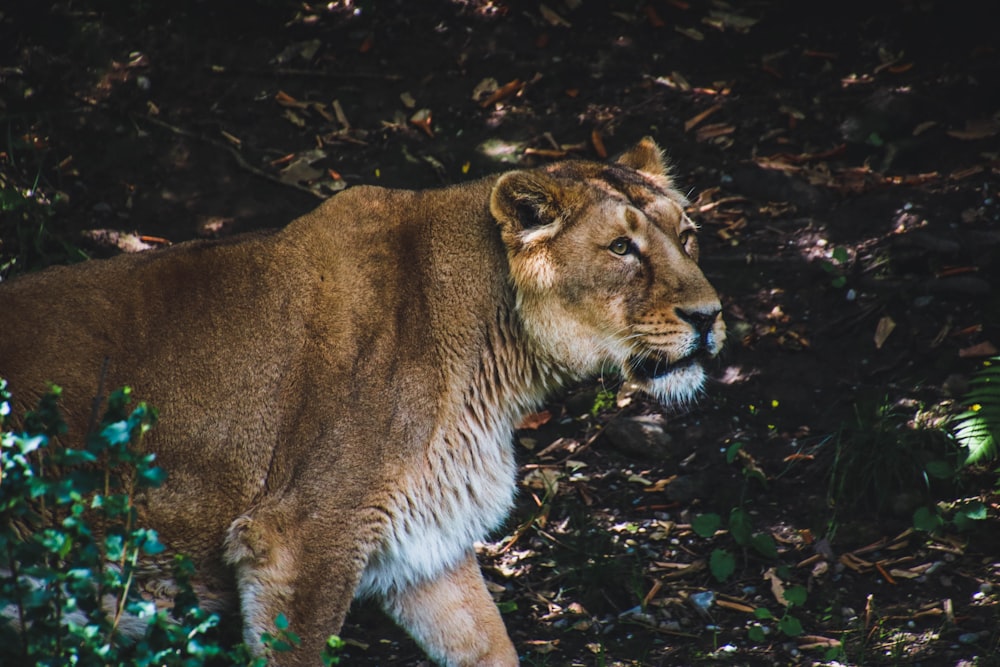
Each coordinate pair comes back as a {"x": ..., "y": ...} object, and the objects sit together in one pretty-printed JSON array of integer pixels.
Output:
[{"x": 604, "y": 264}]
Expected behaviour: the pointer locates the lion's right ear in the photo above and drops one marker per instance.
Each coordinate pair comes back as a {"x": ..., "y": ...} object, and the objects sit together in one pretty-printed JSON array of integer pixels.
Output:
[
  {"x": 527, "y": 206},
  {"x": 645, "y": 156}
]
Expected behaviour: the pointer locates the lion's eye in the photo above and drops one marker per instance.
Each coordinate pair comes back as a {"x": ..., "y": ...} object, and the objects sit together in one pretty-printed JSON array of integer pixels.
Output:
[{"x": 621, "y": 246}]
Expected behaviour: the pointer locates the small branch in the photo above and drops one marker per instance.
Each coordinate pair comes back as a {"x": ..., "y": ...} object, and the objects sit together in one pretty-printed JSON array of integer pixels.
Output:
[{"x": 240, "y": 160}]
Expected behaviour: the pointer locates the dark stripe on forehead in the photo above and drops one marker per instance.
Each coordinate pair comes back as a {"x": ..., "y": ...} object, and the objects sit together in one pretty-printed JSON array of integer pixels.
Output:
[{"x": 639, "y": 190}]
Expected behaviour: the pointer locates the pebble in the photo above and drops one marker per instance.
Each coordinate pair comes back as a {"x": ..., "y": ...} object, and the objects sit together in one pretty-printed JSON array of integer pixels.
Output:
[
  {"x": 640, "y": 437},
  {"x": 703, "y": 600}
]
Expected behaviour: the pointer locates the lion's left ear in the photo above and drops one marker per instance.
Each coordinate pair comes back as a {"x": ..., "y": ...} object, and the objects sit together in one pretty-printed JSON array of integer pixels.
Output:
[
  {"x": 528, "y": 206},
  {"x": 645, "y": 156}
]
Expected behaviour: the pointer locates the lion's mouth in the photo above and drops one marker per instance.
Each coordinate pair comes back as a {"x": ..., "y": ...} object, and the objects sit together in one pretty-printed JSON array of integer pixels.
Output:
[{"x": 653, "y": 366}]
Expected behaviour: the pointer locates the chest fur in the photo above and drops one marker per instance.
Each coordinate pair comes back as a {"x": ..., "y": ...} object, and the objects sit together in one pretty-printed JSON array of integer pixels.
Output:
[{"x": 460, "y": 491}]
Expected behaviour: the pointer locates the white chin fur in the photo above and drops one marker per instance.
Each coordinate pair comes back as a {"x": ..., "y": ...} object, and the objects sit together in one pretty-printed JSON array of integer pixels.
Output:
[{"x": 679, "y": 386}]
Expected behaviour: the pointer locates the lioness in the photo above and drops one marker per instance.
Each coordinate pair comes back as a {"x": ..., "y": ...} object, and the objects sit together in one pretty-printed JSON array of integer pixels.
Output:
[{"x": 337, "y": 398}]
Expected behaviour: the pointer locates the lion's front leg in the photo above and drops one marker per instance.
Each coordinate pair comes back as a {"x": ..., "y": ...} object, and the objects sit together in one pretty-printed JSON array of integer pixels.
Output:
[
  {"x": 306, "y": 569},
  {"x": 454, "y": 618}
]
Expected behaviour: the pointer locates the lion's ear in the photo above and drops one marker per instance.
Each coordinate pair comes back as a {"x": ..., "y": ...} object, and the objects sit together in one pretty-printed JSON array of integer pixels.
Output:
[
  {"x": 645, "y": 156},
  {"x": 527, "y": 205}
]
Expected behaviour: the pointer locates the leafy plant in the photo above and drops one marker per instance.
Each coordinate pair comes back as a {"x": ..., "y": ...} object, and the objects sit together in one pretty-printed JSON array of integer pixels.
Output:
[
  {"x": 885, "y": 455},
  {"x": 836, "y": 266},
  {"x": 71, "y": 549},
  {"x": 722, "y": 563},
  {"x": 977, "y": 429},
  {"x": 963, "y": 516}
]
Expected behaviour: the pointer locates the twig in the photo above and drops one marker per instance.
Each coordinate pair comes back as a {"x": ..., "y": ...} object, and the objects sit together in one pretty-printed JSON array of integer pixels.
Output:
[{"x": 240, "y": 161}]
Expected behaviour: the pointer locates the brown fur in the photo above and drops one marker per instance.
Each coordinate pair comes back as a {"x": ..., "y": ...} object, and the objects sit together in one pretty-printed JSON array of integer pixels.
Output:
[{"x": 337, "y": 398}]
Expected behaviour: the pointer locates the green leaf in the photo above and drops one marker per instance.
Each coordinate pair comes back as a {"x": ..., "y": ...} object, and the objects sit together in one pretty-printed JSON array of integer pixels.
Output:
[
  {"x": 840, "y": 254},
  {"x": 722, "y": 564},
  {"x": 796, "y": 595},
  {"x": 739, "y": 526},
  {"x": 756, "y": 634},
  {"x": 763, "y": 614},
  {"x": 790, "y": 625},
  {"x": 151, "y": 542},
  {"x": 281, "y": 622},
  {"x": 153, "y": 477},
  {"x": 968, "y": 514},
  {"x": 114, "y": 546},
  {"x": 507, "y": 606},
  {"x": 117, "y": 433},
  {"x": 705, "y": 525},
  {"x": 764, "y": 544},
  {"x": 940, "y": 469},
  {"x": 927, "y": 520},
  {"x": 732, "y": 451},
  {"x": 839, "y": 281}
]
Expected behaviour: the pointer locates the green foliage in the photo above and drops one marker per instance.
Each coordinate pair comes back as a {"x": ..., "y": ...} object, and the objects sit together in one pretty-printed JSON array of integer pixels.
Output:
[
  {"x": 886, "y": 454},
  {"x": 705, "y": 525},
  {"x": 977, "y": 429},
  {"x": 27, "y": 239},
  {"x": 962, "y": 515},
  {"x": 836, "y": 266},
  {"x": 722, "y": 564},
  {"x": 71, "y": 549},
  {"x": 605, "y": 400}
]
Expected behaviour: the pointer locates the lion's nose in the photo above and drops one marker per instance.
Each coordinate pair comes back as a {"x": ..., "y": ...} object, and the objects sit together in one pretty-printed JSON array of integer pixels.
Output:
[{"x": 702, "y": 320}]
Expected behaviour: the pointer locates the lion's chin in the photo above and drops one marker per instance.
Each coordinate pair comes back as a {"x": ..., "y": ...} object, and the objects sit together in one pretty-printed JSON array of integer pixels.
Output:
[{"x": 669, "y": 383}]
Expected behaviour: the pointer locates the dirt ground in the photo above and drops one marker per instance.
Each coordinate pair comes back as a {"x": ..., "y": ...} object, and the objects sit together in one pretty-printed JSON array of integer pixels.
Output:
[{"x": 843, "y": 162}]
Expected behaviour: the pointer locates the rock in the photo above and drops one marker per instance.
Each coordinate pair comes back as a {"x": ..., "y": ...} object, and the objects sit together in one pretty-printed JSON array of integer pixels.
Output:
[
  {"x": 685, "y": 488},
  {"x": 639, "y": 437}
]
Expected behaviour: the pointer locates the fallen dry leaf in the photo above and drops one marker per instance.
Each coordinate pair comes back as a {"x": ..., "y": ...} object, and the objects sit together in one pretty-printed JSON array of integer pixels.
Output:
[
  {"x": 286, "y": 100},
  {"x": 294, "y": 118},
  {"x": 690, "y": 33},
  {"x": 543, "y": 646},
  {"x": 300, "y": 171},
  {"x": 553, "y": 17},
  {"x": 882, "y": 330},
  {"x": 976, "y": 129},
  {"x": 595, "y": 138},
  {"x": 535, "y": 419},
  {"x": 722, "y": 20},
  {"x": 484, "y": 89},
  {"x": 984, "y": 349},
  {"x": 660, "y": 484},
  {"x": 341, "y": 116},
  {"x": 814, "y": 642},
  {"x": 777, "y": 586},
  {"x": 696, "y": 119},
  {"x": 422, "y": 119},
  {"x": 546, "y": 152},
  {"x": 503, "y": 92},
  {"x": 712, "y": 131},
  {"x": 735, "y": 606},
  {"x": 231, "y": 138}
]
